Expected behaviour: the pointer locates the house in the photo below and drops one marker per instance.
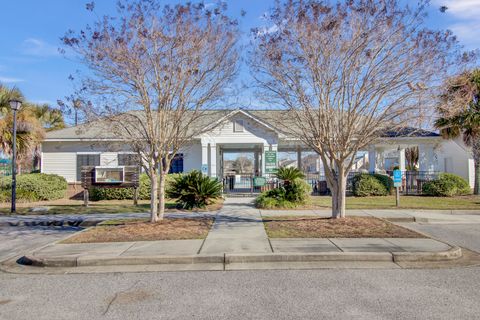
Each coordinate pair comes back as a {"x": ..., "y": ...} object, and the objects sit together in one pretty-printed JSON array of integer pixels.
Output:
[{"x": 251, "y": 132}]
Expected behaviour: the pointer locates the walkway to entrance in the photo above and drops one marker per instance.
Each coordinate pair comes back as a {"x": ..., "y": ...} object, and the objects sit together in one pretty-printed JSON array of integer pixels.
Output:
[{"x": 238, "y": 228}]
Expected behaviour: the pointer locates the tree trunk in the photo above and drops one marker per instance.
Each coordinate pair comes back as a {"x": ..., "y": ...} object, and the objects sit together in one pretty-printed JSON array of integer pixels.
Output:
[
  {"x": 338, "y": 194},
  {"x": 153, "y": 197},
  {"x": 161, "y": 195},
  {"x": 476, "y": 160}
]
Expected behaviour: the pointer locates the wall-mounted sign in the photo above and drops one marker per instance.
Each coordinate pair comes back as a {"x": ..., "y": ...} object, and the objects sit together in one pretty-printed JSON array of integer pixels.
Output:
[
  {"x": 270, "y": 161},
  {"x": 205, "y": 168},
  {"x": 259, "y": 181},
  {"x": 397, "y": 178}
]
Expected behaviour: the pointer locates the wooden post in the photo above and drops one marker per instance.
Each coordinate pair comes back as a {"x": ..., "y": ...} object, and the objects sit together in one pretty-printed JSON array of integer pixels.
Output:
[
  {"x": 135, "y": 196},
  {"x": 85, "y": 197}
]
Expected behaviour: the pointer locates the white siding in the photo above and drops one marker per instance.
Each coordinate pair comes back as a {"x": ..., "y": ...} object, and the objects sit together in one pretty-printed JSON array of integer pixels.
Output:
[
  {"x": 62, "y": 163},
  {"x": 109, "y": 159},
  {"x": 192, "y": 157},
  {"x": 458, "y": 159}
]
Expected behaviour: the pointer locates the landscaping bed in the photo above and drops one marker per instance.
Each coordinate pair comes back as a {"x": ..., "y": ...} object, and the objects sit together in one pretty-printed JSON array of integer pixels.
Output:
[
  {"x": 350, "y": 227},
  {"x": 122, "y": 230}
]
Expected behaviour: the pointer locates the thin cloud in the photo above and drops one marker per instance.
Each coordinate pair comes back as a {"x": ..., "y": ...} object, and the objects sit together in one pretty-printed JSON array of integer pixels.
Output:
[
  {"x": 466, "y": 14},
  {"x": 38, "y": 48},
  {"x": 10, "y": 80}
]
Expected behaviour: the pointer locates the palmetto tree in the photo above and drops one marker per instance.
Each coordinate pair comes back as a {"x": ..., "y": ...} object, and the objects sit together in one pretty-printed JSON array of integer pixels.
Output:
[
  {"x": 460, "y": 114},
  {"x": 29, "y": 129}
]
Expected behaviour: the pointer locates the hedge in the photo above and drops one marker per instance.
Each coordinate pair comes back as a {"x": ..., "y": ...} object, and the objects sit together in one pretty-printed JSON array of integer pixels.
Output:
[
  {"x": 97, "y": 194},
  {"x": 371, "y": 185},
  {"x": 447, "y": 185},
  {"x": 36, "y": 187}
]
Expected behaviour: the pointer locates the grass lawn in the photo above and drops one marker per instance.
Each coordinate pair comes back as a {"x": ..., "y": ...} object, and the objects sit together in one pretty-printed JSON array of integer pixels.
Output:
[
  {"x": 350, "y": 227},
  {"x": 67, "y": 206},
  {"x": 142, "y": 230},
  {"x": 406, "y": 202}
]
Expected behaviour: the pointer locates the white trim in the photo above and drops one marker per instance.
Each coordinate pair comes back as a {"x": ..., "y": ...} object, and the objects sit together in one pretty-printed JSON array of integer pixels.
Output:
[{"x": 88, "y": 152}]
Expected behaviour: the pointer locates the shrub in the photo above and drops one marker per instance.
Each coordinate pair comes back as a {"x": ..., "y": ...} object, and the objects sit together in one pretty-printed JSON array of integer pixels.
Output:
[
  {"x": 371, "y": 185},
  {"x": 286, "y": 196},
  {"x": 289, "y": 174},
  {"x": 447, "y": 185},
  {"x": 97, "y": 194},
  {"x": 194, "y": 190},
  {"x": 41, "y": 186}
]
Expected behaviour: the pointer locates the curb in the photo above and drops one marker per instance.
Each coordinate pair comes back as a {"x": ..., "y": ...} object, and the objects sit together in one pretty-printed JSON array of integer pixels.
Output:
[
  {"x": 51, "y": 223},
  {"x": 451, "y": 254},
  {"x": 230, "y": 258},
  {"x": 90, "y": 261},
  {"x": 307, "y": 257}
]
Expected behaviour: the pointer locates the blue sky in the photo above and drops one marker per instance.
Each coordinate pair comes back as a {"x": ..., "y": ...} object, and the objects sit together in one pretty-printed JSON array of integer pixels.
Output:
[{"x": 30, "y": 32}]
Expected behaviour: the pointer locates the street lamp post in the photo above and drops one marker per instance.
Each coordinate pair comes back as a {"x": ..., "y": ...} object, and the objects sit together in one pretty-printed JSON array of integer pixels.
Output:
[{"x": 15, "y": 105}]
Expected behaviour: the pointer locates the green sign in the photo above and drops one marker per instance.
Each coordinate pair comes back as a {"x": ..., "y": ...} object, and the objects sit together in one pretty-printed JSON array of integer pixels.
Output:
[
  {"x": 270, "y": 161},
  {"x": 259, "y": 181}
]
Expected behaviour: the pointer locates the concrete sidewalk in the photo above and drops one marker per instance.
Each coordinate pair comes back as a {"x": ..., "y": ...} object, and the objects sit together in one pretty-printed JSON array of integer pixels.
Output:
[
  {"x": 237, "y": 239},
  {"x": 238, "y": 228},
  {"x": 242, "y": 207}
]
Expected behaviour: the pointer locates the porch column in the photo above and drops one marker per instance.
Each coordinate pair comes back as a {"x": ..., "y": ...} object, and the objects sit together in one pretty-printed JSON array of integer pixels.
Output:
[
  {"x": 401, "y": 159},
  {"x": 426, "y": 158},
  {"x": 213, "y": 160},
  {"x": 372, "y": 159},
  {"x": 299, "y": 159},
  {"x": 204, "y": 164}
]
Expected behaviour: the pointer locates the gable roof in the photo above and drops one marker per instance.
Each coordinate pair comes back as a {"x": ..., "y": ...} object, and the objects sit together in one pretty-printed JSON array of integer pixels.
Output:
[{"x": 98, "y": 130}]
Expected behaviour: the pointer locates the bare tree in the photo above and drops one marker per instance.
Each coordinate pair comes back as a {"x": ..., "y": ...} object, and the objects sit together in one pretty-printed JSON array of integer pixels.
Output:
[
  {"x": 153, "y": 71},
  {"x": 346, "y": 72}
]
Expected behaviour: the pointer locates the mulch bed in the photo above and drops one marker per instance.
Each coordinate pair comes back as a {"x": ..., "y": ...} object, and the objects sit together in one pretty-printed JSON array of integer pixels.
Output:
[
  {"x": 142, "y": 230},
  {"x": 349, "y": 227}
]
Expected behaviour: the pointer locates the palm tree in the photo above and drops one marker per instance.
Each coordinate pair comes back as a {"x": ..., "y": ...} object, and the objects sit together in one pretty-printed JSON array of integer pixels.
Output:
[
  {"x": 289, "y": 174},
  {"x": 29, "y": 129},
  {"x": 460, "y": 115}
]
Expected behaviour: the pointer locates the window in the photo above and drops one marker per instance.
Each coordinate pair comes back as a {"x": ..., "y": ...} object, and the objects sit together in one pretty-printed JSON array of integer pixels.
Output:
[
  {"x": 128, "y": 159},
  {"x": 176, "y": 165},
  {"x": 238, "y": 126},
  {"x": 86, "y": 160}
]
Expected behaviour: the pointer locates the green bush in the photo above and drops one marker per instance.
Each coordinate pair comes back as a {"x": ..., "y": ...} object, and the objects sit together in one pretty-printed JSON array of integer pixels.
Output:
[
  {"x": 34, "y": 187},
  {"x": 97, "y": 194},
  {"x": 286, "y": 196},
  {"x": 41, "y": 186},
  {"x": 447, "y": 185},
  {"x": 194, "y": 190},
  {"x": 371, "y": 185}
]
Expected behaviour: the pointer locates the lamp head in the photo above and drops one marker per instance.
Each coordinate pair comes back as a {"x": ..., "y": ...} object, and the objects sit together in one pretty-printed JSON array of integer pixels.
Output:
[{"x": 15, "y": 104}]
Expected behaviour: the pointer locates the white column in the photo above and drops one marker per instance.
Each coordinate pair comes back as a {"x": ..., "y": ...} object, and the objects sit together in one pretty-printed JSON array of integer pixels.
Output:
[
  {"x": 426, "y": 158},
  {"x": 213, "y": 160},
  {"x": 372, "y": 159},
  {"x": 204, "y": 157},
  {"x": 299, "y": 159},
  {"x": 401, "y": 159}
]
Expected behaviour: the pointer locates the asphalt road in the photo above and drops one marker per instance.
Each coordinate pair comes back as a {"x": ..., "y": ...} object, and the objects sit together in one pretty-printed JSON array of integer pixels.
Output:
[{"x": 296, "y": 294}]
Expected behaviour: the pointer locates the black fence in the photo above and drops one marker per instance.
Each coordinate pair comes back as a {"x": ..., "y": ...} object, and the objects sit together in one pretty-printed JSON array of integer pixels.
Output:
[{"x": 412, "y": 183}]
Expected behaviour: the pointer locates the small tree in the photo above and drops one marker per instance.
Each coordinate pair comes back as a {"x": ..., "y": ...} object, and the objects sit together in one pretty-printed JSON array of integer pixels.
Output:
[
  {"x": 346, "y": 72},
  {"x": 459, "y": 114},
  {"x": 154, "y": 69}
]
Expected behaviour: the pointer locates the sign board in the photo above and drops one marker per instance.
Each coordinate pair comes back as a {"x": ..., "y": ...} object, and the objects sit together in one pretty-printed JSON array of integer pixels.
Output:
[
  {"x": 397, "y": 178},
  {"x": 259, "y": 181},
  {"x": 270, "y": 161},
  {"x": 205, "y": 168}
]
